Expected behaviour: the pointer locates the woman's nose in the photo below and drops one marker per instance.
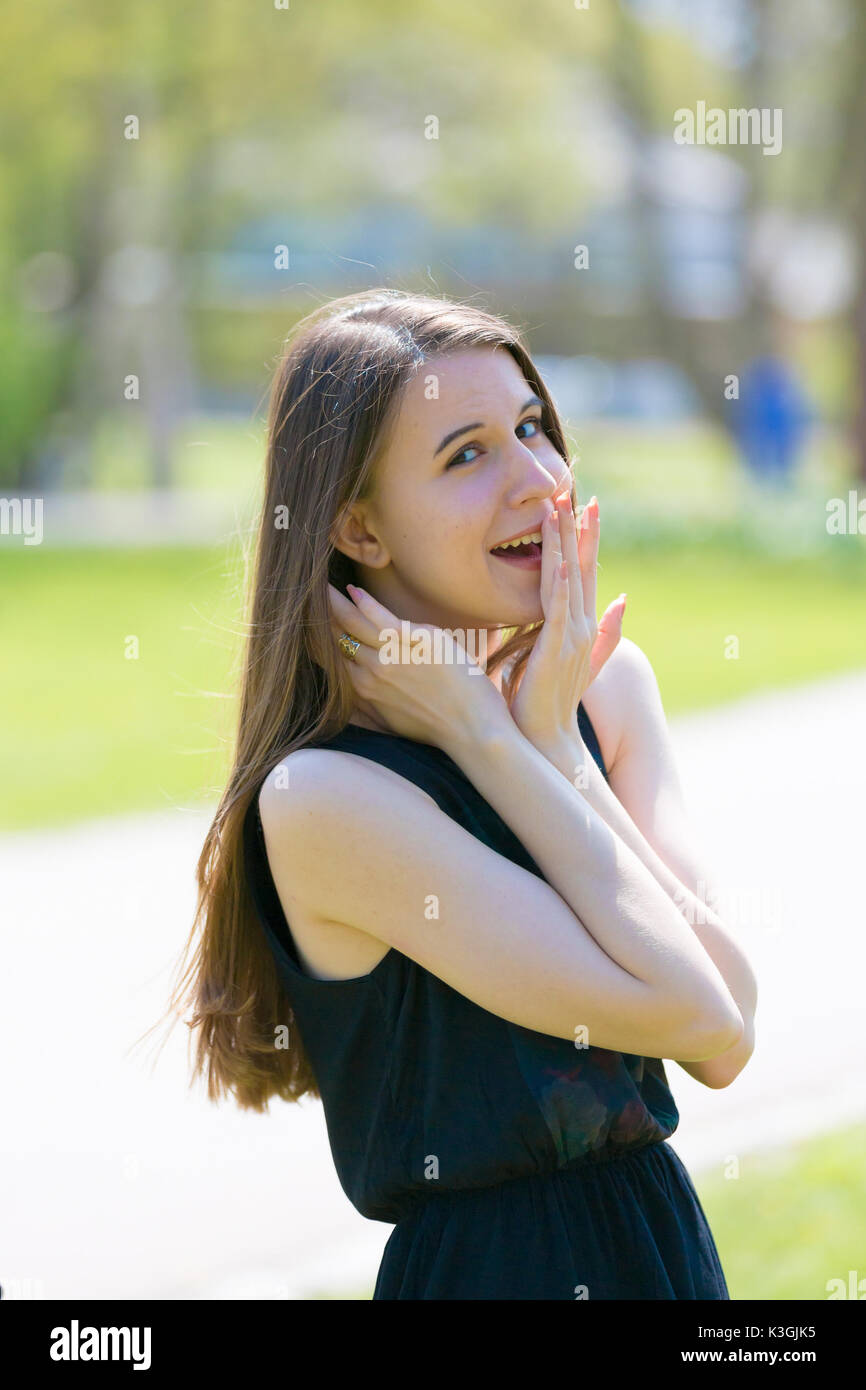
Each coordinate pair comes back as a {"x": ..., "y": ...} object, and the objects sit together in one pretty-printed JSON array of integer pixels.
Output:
[{"x": 533, "y": 477}]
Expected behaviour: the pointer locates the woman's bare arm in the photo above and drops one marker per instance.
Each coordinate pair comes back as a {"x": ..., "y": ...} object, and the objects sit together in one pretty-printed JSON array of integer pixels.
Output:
[
  {"x": 717, "y": 939},
  {"x": 644, "y": 805},
  {"x": 603, "y": 870},
  {"x": 410, "y": 876}
]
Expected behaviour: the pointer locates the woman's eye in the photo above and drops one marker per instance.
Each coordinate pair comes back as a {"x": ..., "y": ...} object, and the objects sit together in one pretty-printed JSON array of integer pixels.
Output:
[
  {"x": 470, "y": 448},
  {"x": 467, "y": 448},
  {"x": 533, "y": 420}
]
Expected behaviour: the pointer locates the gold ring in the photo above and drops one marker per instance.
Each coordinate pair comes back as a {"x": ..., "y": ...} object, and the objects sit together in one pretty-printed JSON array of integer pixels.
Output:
[{"x": 348, "y": 645}]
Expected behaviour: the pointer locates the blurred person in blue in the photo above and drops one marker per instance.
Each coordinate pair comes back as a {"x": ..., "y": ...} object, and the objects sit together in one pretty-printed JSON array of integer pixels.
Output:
[{"x": 772, "y": 420}]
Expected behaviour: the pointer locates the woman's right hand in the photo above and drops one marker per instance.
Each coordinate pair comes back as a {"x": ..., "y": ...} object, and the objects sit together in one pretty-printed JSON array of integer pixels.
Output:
[
  {"x": 571, "y": 646},
  {"x": 432, "y": 701}
]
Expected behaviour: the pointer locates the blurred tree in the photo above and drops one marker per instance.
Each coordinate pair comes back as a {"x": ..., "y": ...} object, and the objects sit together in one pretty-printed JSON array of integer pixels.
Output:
[
  {"x": 279, "y": 119},
  {"x": 844, "y": 188}
]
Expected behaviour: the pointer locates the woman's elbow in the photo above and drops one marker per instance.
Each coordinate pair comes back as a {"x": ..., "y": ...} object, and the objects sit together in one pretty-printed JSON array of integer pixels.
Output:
[
  {"x": 720, "y": 1070},
  {"x": 709, "y": 1039}
]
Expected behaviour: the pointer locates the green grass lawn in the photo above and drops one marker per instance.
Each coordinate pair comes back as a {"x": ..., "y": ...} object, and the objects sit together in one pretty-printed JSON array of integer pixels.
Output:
[
  {"x": 87, "y": 732},
  {"x": 793, "y": 1219},
  {"x": 718, "y": 623}
]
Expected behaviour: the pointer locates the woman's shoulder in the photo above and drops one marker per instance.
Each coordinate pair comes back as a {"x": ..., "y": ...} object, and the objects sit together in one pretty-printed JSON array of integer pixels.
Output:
[
  {"x": 334, "y": 788},
  {"x": 324, "y": 774},
  {"x": 608, "y": 700}
]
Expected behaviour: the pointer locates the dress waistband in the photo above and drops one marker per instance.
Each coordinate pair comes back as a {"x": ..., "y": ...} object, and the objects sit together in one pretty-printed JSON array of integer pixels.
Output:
[{"x": 585, "y": 1167}]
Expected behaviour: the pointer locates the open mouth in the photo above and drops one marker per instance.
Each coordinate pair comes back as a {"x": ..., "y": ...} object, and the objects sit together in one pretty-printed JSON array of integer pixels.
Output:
[{"x": 525, "y": 555}]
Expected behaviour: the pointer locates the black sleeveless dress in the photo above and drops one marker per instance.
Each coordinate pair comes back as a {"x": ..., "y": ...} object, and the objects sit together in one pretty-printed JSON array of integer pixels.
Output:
[{"x": 513, "y": 1164}]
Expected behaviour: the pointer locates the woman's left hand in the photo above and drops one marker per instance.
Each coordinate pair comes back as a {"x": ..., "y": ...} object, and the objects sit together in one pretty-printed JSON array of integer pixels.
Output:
[{"x": 571, "y": 646}]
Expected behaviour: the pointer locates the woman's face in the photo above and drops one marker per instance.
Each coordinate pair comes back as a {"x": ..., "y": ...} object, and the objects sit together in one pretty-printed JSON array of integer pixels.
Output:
[{"x": 467, "y": 466}]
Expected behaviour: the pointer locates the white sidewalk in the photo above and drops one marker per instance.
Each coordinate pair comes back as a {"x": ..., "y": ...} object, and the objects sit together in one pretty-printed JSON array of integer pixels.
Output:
[{"x": 117, "y": 1182}]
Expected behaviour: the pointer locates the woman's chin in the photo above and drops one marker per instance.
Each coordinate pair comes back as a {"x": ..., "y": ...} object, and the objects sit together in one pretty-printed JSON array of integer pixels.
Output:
[
  {"x": 518, "y": 614},
  {"x": 504, "y": 610}
]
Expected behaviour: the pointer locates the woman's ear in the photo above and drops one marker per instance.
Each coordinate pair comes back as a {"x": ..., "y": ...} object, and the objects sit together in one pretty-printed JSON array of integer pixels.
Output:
[{"x": 352, "y": 536}]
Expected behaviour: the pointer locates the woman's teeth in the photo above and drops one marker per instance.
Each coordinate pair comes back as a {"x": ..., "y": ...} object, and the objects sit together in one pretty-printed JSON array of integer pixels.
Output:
[
  {"x": 523, "y": 540},
  {"x": 524, "y": 554}
]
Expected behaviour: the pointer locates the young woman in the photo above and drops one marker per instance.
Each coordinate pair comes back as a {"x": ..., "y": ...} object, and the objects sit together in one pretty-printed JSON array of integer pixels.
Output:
[{"x": 456, "y": 898}]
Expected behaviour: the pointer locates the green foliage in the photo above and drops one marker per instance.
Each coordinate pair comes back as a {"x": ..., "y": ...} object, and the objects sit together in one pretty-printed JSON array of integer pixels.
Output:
[
  {"x": 265, "y": 124},
  {"x": 35, "y": 358}
]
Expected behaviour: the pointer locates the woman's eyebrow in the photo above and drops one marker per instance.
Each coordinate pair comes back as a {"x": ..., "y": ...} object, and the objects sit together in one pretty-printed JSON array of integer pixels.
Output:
[{"x": 479, "y": 425}]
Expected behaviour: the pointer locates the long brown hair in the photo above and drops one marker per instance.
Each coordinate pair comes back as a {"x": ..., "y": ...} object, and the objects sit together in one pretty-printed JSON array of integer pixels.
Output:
[{"x": 341, "y": 375}]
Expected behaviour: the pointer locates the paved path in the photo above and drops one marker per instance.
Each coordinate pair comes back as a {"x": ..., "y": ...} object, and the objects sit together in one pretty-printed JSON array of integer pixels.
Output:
[{"x": 119, "y": 1182}]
